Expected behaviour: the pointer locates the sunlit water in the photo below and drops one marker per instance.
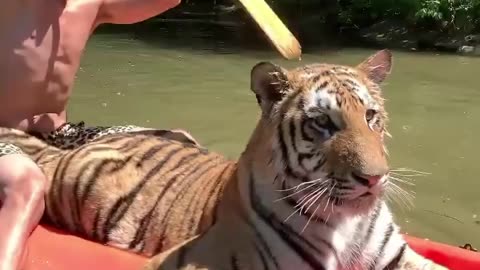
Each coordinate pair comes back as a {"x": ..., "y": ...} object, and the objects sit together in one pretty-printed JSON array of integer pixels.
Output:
[{"x": 201, "y": 85}]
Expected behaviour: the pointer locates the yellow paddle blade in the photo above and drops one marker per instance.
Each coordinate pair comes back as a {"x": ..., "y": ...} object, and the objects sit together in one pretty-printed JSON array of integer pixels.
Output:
[{"x": 276, "y": 31}]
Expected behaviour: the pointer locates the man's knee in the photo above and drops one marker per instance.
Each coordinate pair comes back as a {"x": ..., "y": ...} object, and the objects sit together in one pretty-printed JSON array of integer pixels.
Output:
[{"x": 21, "y": 176}]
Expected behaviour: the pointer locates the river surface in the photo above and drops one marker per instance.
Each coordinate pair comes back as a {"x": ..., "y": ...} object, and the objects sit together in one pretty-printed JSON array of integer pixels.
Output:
[{"x": 199, "y": 83}]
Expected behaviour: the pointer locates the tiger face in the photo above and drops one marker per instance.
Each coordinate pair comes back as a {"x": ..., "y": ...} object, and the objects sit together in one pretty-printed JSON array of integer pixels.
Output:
[{"x": 327, "y": 125}]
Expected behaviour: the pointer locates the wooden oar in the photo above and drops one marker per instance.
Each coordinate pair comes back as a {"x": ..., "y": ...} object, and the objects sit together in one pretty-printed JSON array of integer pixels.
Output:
[{"x": 276, "y": 31}]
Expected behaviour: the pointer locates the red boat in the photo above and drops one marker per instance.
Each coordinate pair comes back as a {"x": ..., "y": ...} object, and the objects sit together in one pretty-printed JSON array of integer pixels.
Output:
[{"x": 50, "y": 249}]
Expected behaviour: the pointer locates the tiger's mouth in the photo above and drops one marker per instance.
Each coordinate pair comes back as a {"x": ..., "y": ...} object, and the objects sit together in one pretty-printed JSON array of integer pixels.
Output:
[
  {"x": 349, "y": 190},
  {"x": 354, "y": 196},
  {"x": 367, "y": 193},
  {"x": 339, "y": 200}
]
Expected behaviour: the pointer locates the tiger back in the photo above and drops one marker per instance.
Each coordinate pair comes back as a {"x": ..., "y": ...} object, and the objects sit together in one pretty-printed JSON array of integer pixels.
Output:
[
  {"x": 141, "y": 191},
  {"x": 309, "y": 191}
]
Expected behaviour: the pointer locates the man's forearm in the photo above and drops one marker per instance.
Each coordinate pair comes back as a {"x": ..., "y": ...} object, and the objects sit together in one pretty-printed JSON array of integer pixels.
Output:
[{"x": 132, "y": 11}]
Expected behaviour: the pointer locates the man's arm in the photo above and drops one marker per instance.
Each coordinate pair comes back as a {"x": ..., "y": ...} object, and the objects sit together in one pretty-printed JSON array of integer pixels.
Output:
[{"x": 132, "y": 11}]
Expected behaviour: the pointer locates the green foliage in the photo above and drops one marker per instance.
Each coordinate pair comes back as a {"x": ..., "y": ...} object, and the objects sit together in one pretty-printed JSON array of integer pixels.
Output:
[
  {"x": 361, "y": 12},
  {"x": 430, "y": 10},
  {"x": 445, "y": 15},
  {"x": 449, "y": 16}
]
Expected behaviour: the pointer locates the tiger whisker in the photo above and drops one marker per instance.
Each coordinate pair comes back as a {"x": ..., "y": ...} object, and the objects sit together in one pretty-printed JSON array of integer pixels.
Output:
[
  {"x": 389, "y": 199},
  {"x": 410, "y": 193},
  {"x": 299, "y": 210},
  {"x": 405, "y": 181},
  {"x": 329, "y": 196},
  {"x": 328, "y": 216},
  {"x": 296, "y": 192},
  {"x": 301, "y": 184},
  {"x": 291, "y": 215},
  {"x": 331, "y": 211},
  {"x": 399, "y": 190},
  {"x": 318, "y": 205},
  {"x": 392, "y": 198},
  {"x": 304, "y": 200},
  {"x": 401, "y": 202},
  {"x": 315, "y": 198},
  {"x": 407, "y": 175},
  {"x": 306, "y": 196},
  {"x": 313, "y": 214},
  {"x": 398, "y": 170},
  {"x": 400, "y": 196}
]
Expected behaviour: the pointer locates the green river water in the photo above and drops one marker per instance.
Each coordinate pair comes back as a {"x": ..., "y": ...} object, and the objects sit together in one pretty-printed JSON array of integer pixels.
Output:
[{"x": 202, "y": 85}]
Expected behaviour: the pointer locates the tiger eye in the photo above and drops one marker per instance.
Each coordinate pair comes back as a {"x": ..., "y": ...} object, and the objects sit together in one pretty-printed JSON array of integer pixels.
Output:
[
  {"x": 370, "y": 114},
  {"x": 322, "y": 119}
]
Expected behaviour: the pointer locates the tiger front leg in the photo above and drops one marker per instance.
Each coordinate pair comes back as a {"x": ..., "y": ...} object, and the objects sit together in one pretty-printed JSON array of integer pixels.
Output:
[{"x": 414, "y": 261}]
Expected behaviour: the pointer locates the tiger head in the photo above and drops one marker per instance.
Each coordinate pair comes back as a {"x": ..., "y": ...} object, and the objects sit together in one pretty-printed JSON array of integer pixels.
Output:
[{"x": 324, "y": 125}]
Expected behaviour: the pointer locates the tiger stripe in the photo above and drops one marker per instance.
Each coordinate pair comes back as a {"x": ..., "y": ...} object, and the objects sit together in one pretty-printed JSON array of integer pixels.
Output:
[{"x": 300, "y": 246}]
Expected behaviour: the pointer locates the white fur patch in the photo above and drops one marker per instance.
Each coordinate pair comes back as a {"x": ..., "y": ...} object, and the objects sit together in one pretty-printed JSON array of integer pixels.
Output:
[
  {"x": 364, "y": 95},
  {"x": 320, "y": 101}
]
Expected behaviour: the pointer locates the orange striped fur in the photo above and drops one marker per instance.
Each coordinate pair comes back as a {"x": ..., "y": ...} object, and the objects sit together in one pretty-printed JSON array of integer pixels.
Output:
[{"x": 133, "y": 191}]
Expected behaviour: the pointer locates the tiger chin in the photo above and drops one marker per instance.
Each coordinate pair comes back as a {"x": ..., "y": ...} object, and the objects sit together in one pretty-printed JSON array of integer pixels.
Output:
[{"x": 307, "y": 192}]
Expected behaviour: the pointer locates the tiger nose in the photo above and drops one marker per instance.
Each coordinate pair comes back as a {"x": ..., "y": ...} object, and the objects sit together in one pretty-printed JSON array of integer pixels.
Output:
[{"x": 367, "y": 180}]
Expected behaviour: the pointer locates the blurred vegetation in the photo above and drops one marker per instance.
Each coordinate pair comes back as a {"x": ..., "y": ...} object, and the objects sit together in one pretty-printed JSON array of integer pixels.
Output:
[
  {"x": 440, "y": 15},
  {"x": 446, "y": 25}
]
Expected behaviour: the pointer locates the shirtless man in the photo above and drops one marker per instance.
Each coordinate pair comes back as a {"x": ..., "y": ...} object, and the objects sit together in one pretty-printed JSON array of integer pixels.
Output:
[{"x": 41, "y": 42}]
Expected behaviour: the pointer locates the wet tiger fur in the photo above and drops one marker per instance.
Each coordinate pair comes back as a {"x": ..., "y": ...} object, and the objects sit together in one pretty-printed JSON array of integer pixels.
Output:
[
  {"x": 132, "y": 190},
  {"x": 317, "y": 157}
]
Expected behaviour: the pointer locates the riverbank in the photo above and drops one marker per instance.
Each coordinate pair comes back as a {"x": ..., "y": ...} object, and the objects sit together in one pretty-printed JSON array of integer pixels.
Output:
[
  {"x": 414, "y": 25},
  {"x": 397, "y": 35},
  {"x": 314, "y": 28}
]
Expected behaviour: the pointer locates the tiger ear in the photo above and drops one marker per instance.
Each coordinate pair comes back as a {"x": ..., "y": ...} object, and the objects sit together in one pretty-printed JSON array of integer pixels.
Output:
[
  {"x": 269, "y": 82},
  {"x": 377, "y": 66}
]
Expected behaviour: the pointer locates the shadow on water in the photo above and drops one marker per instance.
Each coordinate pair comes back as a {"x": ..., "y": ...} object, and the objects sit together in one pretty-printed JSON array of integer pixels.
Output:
[
  {"x": 210, "y": 35},
  {"x": 205, "y": 35}
]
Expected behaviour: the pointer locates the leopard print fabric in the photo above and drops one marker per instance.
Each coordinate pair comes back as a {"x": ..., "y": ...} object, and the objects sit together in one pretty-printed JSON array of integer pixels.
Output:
[
  {"x": 9, "y": 149},
  {"x": 71, "y": 135}
]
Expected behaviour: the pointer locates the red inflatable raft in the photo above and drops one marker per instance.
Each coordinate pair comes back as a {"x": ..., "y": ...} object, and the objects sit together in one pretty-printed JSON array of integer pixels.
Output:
[{"x": 50, "y": 249}]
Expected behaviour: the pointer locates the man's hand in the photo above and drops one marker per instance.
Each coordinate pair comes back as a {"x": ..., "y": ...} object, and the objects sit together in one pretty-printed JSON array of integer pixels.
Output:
[{"x": 132, "y": 11}]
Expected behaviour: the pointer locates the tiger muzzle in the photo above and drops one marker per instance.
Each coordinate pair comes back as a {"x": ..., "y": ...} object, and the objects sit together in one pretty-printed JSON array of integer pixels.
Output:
[{"x": 360, "y": 157}]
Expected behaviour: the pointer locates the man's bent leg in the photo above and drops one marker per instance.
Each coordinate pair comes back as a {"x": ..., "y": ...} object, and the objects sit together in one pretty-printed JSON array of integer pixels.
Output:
[{"x": 22, "y": 191}]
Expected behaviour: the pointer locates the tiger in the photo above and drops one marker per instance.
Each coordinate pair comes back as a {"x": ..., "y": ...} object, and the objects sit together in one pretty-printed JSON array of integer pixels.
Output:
[
  {"x": 308, "y": 191},
  {"x": 125, "y": 186}
]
